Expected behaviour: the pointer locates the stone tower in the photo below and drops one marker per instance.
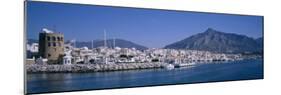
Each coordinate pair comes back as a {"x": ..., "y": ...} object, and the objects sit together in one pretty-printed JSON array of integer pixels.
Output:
[{"x": 51, "y": 46}]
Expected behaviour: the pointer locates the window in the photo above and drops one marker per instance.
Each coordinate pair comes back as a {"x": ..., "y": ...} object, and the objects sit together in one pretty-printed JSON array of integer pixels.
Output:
[
  {"x": 58, "y": 38},
  {"x": 54, "y": 38},
  {"x": 49, "y": 55},
  {"x": 48, "y": 38},
  {"x": 49, "y": 44},
  {"x": 54, "y": 44}
]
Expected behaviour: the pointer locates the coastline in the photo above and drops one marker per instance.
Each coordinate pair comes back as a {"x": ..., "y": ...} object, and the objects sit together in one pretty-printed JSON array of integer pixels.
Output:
[
  {"x": 81, "y": 68},
  {"x": 85, "y": 68}
]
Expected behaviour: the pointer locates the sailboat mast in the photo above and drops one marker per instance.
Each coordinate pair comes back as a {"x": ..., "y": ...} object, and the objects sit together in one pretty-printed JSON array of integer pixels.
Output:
[
  {"x": 105, "y": 47},
  {"x": 92, "y": 44},
  {"x": 104, "y": 32},
  {"x": 113, "y": 43}
]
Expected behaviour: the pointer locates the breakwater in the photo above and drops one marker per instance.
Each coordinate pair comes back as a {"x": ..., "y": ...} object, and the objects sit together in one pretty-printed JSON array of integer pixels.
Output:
[{"x": 34, "y": 68}]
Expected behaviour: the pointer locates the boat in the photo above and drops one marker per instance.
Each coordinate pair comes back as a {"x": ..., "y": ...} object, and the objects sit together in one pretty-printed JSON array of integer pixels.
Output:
[
  {"x": 170, "y": 66},
  {"x": 184, "y": 64}
]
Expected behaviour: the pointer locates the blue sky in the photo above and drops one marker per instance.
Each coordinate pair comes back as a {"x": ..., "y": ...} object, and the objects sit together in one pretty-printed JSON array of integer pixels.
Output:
[{"x": 151, "y": 28}]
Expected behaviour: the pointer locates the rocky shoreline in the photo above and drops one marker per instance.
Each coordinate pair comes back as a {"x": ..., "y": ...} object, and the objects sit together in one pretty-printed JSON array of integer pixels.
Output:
[
  {"x": 90, "y": 67},
  {"x": 81, "y": 68}
]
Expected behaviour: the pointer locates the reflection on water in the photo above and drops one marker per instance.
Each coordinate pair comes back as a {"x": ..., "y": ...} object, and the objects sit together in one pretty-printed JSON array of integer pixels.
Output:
[{"x": 50, "y": 82}]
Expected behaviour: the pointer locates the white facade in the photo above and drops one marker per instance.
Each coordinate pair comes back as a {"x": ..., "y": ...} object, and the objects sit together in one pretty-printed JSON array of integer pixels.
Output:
[
  {"x": 34, "y": 47},
  {"x": 67, "y": 58}
]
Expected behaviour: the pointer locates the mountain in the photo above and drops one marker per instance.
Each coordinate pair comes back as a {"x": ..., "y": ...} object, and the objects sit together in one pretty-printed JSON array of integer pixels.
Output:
[
  {"x": 118, "y": 43},
  {"x": 216, "y": 41},
  {"x": 97, "y": 43},
  {"x": 260, "y": 43},
  {"x": 260, "y": 40},
  {"x": 30, "y": 41}
]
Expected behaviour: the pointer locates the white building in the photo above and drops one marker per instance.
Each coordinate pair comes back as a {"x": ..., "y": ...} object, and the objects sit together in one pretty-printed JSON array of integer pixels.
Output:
[
  {"x": 67, "y": 58},
  {"x": 34, "y": 47}
]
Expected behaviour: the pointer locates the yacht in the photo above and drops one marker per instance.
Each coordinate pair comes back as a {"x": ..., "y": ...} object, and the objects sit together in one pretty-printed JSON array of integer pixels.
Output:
[
  {"x": 170, "y": 66},
  {"x": 184, "y": 64}
]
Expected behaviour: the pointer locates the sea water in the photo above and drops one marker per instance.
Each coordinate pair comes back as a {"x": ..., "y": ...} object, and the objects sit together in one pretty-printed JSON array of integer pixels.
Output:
[{"x": 211, "y": 72}]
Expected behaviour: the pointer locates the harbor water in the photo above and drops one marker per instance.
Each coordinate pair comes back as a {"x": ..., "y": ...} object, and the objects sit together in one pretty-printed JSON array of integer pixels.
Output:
[{"x": 211, "y": 72}]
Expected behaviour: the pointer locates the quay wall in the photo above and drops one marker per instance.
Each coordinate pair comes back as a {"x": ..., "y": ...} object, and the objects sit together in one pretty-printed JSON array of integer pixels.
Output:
[{"x": 34, "y": 68}]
